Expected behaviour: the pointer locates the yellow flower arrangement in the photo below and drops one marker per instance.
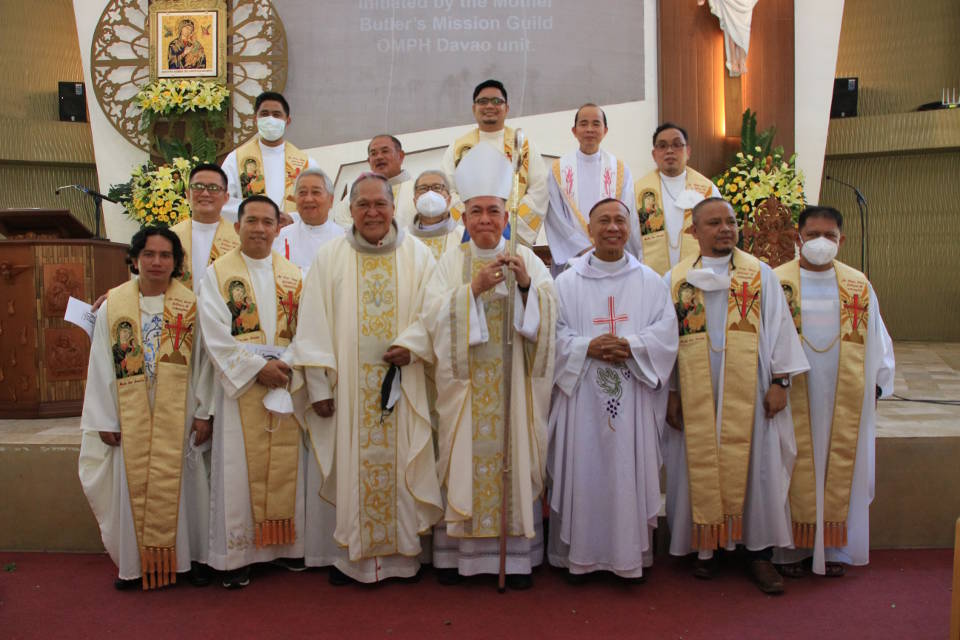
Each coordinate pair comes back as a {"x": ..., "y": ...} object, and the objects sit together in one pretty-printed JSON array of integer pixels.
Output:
[
  {"x": 157, "y": 195},
  {"x": 758, "y": 172},
  {"x": 166, "y": 96}
]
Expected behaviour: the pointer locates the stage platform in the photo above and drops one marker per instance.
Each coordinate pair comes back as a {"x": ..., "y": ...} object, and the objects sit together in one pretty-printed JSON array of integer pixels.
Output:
[{"x": 916, "y": 504}]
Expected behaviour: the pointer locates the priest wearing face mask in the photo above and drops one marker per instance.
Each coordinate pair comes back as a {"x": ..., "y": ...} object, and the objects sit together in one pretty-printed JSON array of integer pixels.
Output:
[
  {"x": 433, "y": 225},
  {"x": 267, "y": 164},
  {"x": 729, "y": 449},
  {"x": 836, "y": 313}
]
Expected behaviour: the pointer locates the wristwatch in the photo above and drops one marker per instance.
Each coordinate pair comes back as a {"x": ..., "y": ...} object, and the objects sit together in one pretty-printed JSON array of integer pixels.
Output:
[{"x": 783, "y": 382}]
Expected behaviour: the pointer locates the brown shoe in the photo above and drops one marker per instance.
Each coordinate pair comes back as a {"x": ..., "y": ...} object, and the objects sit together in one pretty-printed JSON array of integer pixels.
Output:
[{"x": 766, "y": 576}]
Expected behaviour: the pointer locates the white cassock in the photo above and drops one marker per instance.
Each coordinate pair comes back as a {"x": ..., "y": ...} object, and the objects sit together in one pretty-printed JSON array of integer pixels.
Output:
[
  {"x": 231, "y": 515},
  {"x": 456, "y": 399},
  {"x": 604, "y": 453},
  {"x": 565, "y": 235},
  {"x": 201, "y": 242},
  {"x": 102, "y": 471},
  {"x": 536, "y": 196},
  {"x": 403, "y": 203},
  {"x": 274, "y": 174},
  {"x": 360, "y": 300},
  {"x": 670, "y": 189},
  {"x": 773, "y": 449},
  {"x": 438, "y": 237},
  {"x": 820, "y": 319},
  {"x": 299, "y": 242}
]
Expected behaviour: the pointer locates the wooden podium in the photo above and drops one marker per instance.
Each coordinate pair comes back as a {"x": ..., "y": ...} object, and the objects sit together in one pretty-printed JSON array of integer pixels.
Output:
[{"x": 48, "y": 257}]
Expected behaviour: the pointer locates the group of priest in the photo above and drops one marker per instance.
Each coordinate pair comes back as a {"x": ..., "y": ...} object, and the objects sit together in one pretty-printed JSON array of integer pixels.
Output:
[{"x": 381, "y": 382}]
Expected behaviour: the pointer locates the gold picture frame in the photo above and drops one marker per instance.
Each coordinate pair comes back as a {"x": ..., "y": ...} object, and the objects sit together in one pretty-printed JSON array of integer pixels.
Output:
[{"x": 188, "y": 39}]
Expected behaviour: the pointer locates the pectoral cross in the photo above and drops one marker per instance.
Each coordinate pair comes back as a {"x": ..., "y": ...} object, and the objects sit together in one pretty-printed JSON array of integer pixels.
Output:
[
  {"x": 855, "y": 308},
  {"x": 180, "y": 329},
  {"x": 612, "y": 319},
  {"x": 745, "y": 299}
]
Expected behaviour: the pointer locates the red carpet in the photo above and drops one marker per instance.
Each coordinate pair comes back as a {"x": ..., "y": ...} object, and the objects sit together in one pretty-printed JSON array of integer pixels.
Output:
[{"x": 902, "y": 594}]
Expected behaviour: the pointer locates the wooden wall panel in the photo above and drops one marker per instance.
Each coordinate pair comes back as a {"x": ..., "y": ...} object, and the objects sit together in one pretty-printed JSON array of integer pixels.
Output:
[{"x": 692, "y": 77}]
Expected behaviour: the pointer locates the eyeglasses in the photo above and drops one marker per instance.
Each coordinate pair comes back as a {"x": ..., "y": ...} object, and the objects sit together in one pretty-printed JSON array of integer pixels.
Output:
[
  {"x": 663, "y": 145},
  {"x": 482, "y": 102},
  {"x": 436, "y": 188},
  {"x": 209, "y": 188}
]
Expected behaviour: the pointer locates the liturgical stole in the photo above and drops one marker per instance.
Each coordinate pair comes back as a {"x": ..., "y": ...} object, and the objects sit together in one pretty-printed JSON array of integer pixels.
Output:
[
  {"x": 653, "y": 230},
  {"x": 252, "y": 180},
  {"x": 152, "y": 436},
  {"x": 224, "y": 240},
  {"x": 272, "y": 442},
  {"x": 718, "y": 464},
  {"x": 854, "y": 291},
  {"x": 565, "y": 173},
  {"x": 472, "y": 139}
]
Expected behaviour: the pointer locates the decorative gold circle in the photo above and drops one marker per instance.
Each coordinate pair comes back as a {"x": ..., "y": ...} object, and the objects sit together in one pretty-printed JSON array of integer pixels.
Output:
[{"x": 120, "y": 58}]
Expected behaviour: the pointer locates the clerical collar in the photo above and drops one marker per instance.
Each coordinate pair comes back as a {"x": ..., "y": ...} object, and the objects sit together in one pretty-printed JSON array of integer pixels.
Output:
[
  {"x": 314, "y": 228},
  {"x": 206, "y": 225},
  {"x": 280, "y": 148},
  {"x": 257, "y": 263},
  {"x": 490, "y": 134},
  {"x": 388, "y": 244},
  {"x": 441, "y": 228},
  {"x": 403, "y": 176},
  {"x": 827, "y": 274},
  {"x": 675, "y": 181},
  {"x": 604, "y": 265},
  {"x": 485, "y": 254},
  {"x": 589, "y": 157}
]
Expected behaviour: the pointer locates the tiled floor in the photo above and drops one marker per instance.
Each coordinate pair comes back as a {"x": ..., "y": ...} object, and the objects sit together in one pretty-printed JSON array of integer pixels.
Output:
[{"x": 928, "y": 371}]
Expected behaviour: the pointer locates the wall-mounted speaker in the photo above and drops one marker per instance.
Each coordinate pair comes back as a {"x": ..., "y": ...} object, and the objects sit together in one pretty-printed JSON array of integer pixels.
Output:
[
  {"x": 844, "y": 98},
  {"x": 73, "y": 102}
]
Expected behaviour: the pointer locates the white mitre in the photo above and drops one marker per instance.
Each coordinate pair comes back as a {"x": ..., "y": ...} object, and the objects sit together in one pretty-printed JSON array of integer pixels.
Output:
[{"x": 484, "y": 171}]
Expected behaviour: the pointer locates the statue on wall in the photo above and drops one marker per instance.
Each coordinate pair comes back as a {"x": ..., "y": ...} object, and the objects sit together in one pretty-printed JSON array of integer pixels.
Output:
[{"x": 735, "y": 17}]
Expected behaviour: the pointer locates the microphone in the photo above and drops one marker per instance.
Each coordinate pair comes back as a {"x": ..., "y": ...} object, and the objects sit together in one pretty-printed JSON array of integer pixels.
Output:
[
  {"x": 98, "y": 199},
  {"x": 864, "y": 210}
]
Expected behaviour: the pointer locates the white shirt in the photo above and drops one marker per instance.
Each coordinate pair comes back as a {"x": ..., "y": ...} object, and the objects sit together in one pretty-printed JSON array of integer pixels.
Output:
[
  {"x": 670, "y": 188},
  {"x": 274, "y": 174},
  {"x": 201, "y": 241}
]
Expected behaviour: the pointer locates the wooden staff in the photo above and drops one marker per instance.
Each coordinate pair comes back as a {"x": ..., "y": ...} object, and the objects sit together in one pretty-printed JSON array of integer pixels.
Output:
[{"x": 511, "y": 280}]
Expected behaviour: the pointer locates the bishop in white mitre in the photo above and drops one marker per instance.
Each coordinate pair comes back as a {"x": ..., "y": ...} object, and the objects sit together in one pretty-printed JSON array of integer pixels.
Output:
[
  {"x": 616, "y": 347},
  {"x": 363, "y": 355},
  {"x": 248, "y": 308},
  {"x": 470, "y": 326},
  {"x": 579, "y": 180}
]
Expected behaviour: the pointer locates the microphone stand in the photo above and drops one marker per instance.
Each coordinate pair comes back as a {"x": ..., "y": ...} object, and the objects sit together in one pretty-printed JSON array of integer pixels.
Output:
[
  {"x": 98, "y": 199},
  {"x": 864, "y": 222}
]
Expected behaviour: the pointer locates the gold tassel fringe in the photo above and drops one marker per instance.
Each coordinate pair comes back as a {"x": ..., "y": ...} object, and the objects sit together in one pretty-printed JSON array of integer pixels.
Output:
[
  {"x": 158, "y": 567},
  {"x": 271, "y": 532},
  {"x": 804, "y": 534}
]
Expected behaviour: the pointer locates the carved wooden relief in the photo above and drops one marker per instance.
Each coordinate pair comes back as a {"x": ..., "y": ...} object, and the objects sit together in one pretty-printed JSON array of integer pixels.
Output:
[
  {"x": 771, "y": 236},
  {"x": 60, "y": 281},
  {"x": 65, "y": 354}
]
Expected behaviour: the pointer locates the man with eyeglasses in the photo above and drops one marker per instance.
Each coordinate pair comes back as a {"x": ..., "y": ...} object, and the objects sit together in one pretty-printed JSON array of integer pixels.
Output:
[
  {"x": 206, "y": 235},
  {"x": 490, "y": 109},
  {"x": 433, "y": 225},
  {"x": 578, "y": 181},
  {"x": 362, "y": 353},
  {"x": 300, "y": 241},
  {"x": 385, "y": 156},
  {"x": 267, "y": 164},
  {"x": 665, "y": 198}
]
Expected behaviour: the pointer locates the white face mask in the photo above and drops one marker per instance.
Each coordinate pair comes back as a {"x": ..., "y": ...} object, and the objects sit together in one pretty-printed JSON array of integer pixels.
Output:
[
  {"x": 819, "y": 251},
  {"x": 431, "y": 204},
  {"x": 708, "y": 280},
  {"x": 270, "y": 128}
]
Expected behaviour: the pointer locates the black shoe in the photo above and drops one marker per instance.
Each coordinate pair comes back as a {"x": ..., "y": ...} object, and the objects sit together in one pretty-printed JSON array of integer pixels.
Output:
[
  {"x": 519, "y": 581},
  {"x": 237, "y": 579},
  {"x": 338, "y": 578},
  {"x": 635, "y": 580},
  {"x": 199, "y": 575},
  {"x": 290, "y": 564},
  {"x": 126, "y": 585},
  {"x": 449, "y": 577},
  {"x": 704, "y": 569},
  {"x": 575, "y": 579}
]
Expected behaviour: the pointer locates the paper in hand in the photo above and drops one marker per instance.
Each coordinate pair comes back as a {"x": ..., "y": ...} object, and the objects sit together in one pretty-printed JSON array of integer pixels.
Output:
[{"x": 80, "y": 313}]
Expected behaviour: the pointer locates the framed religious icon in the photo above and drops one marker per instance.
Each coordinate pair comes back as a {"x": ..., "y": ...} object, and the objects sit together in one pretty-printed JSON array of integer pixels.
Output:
[{"x": 188, "y": 39}]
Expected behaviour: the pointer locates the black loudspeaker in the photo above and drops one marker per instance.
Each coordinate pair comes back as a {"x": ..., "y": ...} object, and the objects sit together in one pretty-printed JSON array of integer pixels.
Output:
[
  {"x": 844, "y": 98},
  {"x": 73, "y": 102}
]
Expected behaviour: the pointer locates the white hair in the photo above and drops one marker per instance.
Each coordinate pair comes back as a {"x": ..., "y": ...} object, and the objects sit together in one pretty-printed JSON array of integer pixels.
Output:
[{"x": 327, "y": 184}]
